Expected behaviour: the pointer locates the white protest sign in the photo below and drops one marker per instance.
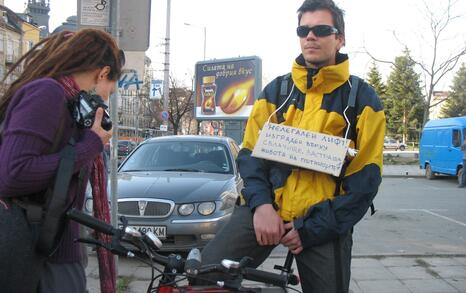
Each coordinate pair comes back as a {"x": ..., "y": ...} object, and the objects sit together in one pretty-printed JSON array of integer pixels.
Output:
[{"x": 302, "y": 148}]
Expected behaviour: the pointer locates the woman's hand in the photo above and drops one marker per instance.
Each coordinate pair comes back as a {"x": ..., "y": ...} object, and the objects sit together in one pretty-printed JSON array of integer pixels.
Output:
[{"x": 97, "y": 127}]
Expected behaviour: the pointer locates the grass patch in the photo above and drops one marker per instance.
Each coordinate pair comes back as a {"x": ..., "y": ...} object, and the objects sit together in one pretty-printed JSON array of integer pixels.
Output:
[
  {"x": 123, "y": 284},
  {"x": 389, "y": 159}
]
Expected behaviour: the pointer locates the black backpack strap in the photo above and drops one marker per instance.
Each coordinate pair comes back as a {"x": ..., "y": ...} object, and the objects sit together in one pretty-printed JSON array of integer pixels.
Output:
[
  {"x": 54, "y": 218},
  {"x": 283, "y": 92},
  {"x": 352, "y": 118},
  {"x": 351, "y": 113}
]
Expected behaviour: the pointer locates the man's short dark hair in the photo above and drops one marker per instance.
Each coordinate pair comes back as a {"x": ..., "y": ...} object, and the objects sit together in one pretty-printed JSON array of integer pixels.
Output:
[{"x": 337, "y": 13}]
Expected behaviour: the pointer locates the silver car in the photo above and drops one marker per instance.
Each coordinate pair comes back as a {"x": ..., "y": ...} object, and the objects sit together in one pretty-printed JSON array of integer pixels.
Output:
[
  {"x": 182, "y": 188},
  {"x": 390, "y": 143}
]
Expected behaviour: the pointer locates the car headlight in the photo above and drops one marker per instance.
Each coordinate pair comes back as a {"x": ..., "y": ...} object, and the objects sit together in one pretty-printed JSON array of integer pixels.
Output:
[
  {"x": 186, "y": 209},
  {"x": 89, "y": 205},
  {"x": 206, "y": 208},
  {"x": 228, "y": 199}
]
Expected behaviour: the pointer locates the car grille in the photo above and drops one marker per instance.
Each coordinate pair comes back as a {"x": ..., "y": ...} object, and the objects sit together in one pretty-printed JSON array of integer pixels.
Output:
[{"x": 145, "y": 207}]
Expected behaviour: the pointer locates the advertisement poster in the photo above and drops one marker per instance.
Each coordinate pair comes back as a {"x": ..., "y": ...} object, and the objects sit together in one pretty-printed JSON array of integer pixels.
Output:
[{"x": 227, "y": 88}]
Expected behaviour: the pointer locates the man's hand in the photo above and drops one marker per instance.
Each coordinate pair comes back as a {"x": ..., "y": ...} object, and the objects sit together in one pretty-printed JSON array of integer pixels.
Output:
[
  {"x": 291, "y": 239},
  {"x": 97, "y": 127},
  {"x": 268, "y": 225}
]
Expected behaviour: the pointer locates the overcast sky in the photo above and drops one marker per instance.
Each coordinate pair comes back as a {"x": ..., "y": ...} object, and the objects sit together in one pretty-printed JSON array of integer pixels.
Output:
[{"x": 266, "y": 28}]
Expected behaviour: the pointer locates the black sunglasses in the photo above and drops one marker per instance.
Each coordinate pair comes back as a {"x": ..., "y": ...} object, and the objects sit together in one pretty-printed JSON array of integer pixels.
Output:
[{"x": 322, "y": 30}]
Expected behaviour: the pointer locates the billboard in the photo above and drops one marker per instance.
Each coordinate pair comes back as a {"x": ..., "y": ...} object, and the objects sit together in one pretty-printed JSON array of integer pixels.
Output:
[{"x": 227, "y": 88}]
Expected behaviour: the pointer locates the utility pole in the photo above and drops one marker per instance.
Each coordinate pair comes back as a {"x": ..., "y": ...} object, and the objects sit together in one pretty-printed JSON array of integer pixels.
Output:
[
  {"x": 115, "y": 29},
  {"x": 204, "y": 28},
  {"x": 136, "y": 120},
  {"x": 166, "y": 70},
  {"x": 205, "y": 40}
]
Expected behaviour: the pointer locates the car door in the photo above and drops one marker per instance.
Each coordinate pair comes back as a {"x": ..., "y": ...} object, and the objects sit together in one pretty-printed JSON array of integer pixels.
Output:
[
  {"x": 443, "y": 141},
  {"x": 455, "y": 155}
]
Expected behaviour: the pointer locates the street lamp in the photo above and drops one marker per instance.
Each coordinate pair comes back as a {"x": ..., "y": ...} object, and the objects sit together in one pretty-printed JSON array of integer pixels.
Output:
[{"x": 205, "y": 34}]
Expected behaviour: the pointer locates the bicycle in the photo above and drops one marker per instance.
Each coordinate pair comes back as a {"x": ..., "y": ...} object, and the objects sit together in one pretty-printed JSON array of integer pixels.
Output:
[{"x": 129, "y": 242}]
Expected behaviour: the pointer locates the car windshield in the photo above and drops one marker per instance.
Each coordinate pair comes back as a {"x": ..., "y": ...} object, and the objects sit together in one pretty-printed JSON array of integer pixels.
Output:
[{"x": 184, "y": 156}]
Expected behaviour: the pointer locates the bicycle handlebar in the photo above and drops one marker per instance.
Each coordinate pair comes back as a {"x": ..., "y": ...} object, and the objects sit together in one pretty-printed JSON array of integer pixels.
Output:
[
  {"x": 191, "y": 266},
  {"x": 91, "y": 222},
  {"x": 280, "y": 280}
]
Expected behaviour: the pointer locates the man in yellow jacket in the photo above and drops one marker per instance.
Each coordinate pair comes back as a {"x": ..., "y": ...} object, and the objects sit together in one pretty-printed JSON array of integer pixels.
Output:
[{"x": 310, "y": 212}]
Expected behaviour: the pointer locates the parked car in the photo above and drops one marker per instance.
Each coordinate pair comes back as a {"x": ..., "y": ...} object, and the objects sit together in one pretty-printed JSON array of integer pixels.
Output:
[
  {"x": 440, "y": 147},
  {"x": 182, "y": 188},
  {"x": 125, "y": 147},
  {"x": 390, "y": 143}
]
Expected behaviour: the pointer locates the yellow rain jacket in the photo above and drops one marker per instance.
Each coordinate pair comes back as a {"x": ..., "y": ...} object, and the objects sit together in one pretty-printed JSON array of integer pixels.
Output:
[{"x": 304, "y": 196}]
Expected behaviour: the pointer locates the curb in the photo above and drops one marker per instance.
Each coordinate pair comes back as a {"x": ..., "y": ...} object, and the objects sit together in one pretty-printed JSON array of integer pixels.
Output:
[
  {"x": 402, "y": 176},
  {"x": 409, "y": 255},
  {"x": 388, "y": 255}
]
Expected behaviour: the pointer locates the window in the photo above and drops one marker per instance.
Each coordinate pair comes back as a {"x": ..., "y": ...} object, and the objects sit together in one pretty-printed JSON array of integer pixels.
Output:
[
  {"x": 189, "y": 156},
  {"x": 456, "y": 138},
  {"x": 9, "y": 47}
]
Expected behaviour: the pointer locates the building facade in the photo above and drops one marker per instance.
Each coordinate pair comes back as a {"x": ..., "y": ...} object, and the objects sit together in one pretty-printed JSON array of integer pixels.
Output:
[
  {"x": 39, "y": 11},
  {"x": 439, "y": 99},
  {"x": 10, "y": 45}
]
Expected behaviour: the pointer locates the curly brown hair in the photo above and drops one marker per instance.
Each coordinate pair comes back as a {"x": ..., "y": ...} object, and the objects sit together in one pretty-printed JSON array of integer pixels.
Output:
[{"x": 64, "y": 54}]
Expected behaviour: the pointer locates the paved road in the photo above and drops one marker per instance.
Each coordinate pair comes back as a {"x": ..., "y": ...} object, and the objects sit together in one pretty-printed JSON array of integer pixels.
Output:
[
  {"x": 416, "y": 242},
  {"x": 415, "y": 216}
]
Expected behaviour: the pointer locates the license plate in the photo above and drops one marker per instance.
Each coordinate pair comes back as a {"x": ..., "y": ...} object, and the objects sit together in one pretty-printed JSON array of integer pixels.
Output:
[{"x": 159, "y": 231}]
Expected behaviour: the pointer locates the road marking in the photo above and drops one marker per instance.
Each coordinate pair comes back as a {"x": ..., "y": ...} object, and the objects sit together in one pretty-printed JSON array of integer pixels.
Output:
[
  {"x": 430, "y": 212},
  {"x": 445, "y": 218},
  {"x": 419, "y": 210}
]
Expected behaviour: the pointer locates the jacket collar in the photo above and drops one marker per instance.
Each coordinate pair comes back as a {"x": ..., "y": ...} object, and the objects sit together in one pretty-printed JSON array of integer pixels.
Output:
[{"x": 325, "y": 79}]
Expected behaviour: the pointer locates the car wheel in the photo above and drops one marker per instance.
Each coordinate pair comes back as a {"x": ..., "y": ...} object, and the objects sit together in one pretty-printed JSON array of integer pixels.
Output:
[
  {"x": 429, "y": 174},
  {"x": 402, "y": 148},
  {"x": 460, "y": 176}
]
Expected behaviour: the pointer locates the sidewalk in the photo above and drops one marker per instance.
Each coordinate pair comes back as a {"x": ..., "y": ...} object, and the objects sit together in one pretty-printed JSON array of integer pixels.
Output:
[
  {"x": 398, "y": 170},
  {"x": 402, "y": 170},
  {"x": 378, "y": 274}
]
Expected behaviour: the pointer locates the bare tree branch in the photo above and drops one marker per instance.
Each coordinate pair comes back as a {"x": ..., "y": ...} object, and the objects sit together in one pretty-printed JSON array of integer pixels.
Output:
[{"x": 377, "y": 59}]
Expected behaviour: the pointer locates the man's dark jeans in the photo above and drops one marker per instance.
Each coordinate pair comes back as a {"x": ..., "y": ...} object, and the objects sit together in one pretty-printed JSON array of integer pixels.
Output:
[{"x": 316, "y": 265}]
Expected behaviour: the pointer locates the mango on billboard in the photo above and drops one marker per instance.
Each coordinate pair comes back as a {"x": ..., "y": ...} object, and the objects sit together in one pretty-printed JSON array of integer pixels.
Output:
[{"x": 227, "y": 88}]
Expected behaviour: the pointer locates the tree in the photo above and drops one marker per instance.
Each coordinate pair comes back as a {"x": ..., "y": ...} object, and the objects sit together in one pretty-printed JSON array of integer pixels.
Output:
[
  {"x": 455, "y": 105},
  {"x": 180, "y": 104},
  {"x": 405, "y": 99},
  {"x": 435, "y": 68},
  {"x": 374, "y": 78}
]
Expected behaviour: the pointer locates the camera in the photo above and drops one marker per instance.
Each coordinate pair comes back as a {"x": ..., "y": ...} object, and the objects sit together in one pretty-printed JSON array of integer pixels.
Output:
[{"x": 86, "y": 109}]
